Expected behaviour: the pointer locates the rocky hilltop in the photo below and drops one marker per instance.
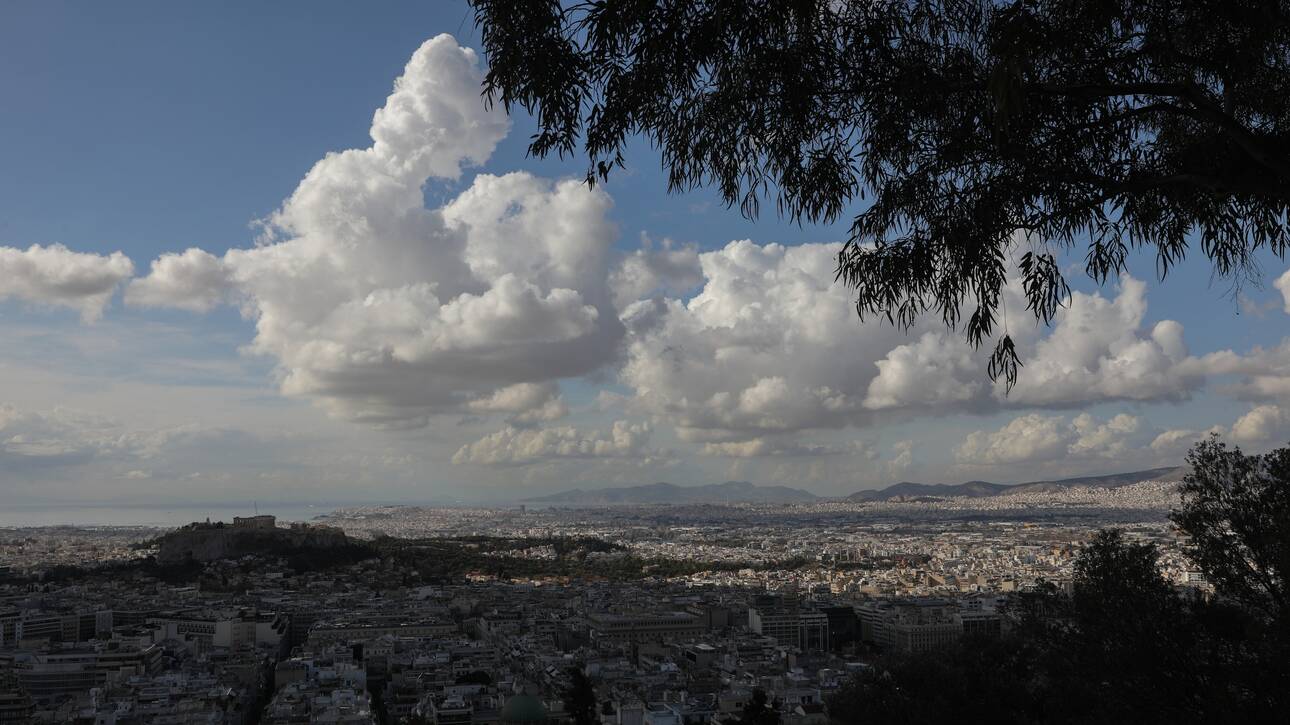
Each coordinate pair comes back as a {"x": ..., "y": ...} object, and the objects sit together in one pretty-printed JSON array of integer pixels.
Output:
[{"x": 254, "y": 535}]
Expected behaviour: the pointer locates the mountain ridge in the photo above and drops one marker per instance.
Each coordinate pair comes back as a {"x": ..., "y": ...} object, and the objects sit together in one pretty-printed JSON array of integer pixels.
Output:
[
  {"x": 982, "y": 489},
  {"x": 662, "y": 492}
]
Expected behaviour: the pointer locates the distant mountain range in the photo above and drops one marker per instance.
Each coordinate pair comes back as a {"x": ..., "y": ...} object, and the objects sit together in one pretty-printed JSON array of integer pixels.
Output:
[
  {"x": 728, "y": 492},
  {"x": 745, "y": 492},
  {"x": 978, "y": 489}
]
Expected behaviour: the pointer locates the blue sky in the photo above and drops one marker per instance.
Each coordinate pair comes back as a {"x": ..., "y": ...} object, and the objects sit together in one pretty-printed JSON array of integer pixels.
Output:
[
  {"x": 148, "y": 128},
  {"x": 175, "y": 124}
]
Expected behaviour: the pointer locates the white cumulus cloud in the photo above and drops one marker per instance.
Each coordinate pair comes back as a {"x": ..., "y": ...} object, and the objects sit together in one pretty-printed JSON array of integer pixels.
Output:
[
  {"x": 1026, "y": 438},
  {"x": 668, "y": 268},
  {"x": 194, "y": 280},
  {"x": 936, "y": 370},
  {"x": 524, "y": 402},
  {"x": 1174, "y": 439},
  {"x": 774, "y": 448},
  {"x": 1263, "y": 424},
  {"x": 769, "y": 345},
  {"x": 1098, "y": 349},
  {"x": 387, "y": 311},
  {"x": 1282, "y": 284},
  {"x": 55, "y": 275},
  {"x": 1037, "y": 438},
  {"x": 1263, "y": 373},
  {"x": 512, "y": 446}
]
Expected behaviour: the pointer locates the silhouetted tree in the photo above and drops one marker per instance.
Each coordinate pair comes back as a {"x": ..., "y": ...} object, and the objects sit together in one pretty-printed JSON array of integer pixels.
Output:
[
  {"x": 759, "y": 710},
  {"x": 1122, "y": 646},
  {"x": 1096, "y": 127},
  {"x": 1236, "y": 514},
  {"x": 580, "y": 698},
  {"x": 985, "y": 680}
]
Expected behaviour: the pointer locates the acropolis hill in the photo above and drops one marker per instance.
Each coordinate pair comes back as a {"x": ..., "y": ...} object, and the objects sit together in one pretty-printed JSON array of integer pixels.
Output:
[{"x": 246, "y": 535}]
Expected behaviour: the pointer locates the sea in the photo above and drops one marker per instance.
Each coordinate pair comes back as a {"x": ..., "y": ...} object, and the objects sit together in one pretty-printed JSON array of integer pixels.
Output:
[{"x": 162, "y": 515}]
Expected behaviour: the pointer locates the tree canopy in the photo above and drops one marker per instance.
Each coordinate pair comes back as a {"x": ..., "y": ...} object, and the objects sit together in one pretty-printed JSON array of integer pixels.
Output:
[
  {"x": 1123, "y": 645},
  {"x": 961, "y": 134},
  {"x": 580, "y": 697},
  {"x": 1236, "y": 515},
  {"x": 759, "y": 710}
]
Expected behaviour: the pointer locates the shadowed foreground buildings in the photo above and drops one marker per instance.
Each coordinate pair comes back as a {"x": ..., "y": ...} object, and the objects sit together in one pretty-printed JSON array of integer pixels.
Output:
[
  {"x": 16, "y": 705},
  {"x": 784, "y": 620},
  {"x": 1043, "y": 622},
  {"x": 345, "y": 644},
  {"x": 921, "y": 625}
]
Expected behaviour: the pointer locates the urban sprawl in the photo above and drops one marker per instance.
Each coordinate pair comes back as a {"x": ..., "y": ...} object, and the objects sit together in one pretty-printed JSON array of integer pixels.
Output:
[{"x": 676, "y": 615}]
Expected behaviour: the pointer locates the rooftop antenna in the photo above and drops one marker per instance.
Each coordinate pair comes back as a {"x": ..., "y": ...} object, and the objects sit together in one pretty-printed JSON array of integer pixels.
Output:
[{"x": 256, "y": 506}]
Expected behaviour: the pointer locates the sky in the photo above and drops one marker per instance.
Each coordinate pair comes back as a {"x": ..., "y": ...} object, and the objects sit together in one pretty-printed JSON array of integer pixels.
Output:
[{"x": 283, "y": 251}]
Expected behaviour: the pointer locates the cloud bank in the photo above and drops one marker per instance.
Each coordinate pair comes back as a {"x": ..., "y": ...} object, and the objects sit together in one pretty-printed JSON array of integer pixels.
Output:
[{"x": 390, "y": 312}]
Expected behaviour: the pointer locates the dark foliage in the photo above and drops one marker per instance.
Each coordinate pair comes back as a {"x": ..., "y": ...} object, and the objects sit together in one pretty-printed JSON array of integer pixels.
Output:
[
  {"x": 1236, "y": 512},
  {"x": 413, "y": 562},
  {"x": 449, "y": 559},
  {"x": 177, "y": 573},
  {"x": 580, "y": 698},
  {"x": 975, "y": 681},
  {"x": 475, "y": 677},
  {"x": 759, "y": 710},
  {"x": 305, "y": 559},
  {"x": 1123, "y": 645},
  {"x": 962, "y": 130},
  {"x": 1236, "y": 515}
]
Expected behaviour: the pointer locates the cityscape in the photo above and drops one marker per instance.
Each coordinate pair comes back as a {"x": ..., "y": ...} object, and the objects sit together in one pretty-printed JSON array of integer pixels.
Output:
[
  {"x": 645, "y": 362},
  {"x": 676, "y": 612}
]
